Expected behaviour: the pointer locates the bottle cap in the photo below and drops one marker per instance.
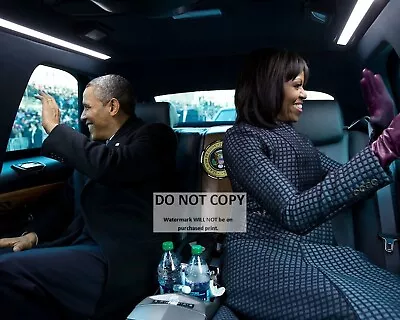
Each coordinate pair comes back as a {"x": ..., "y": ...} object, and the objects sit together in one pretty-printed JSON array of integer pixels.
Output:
[
  {"x": 168, "y": 246},
  {"x": 186, "y": 289},
  {"x": 197, "y": 249}
]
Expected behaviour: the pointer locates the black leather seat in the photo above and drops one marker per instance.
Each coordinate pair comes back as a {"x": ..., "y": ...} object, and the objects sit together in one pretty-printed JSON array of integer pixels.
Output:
[
  {"x": 322, "y": 122},
  {"x": 154, "y": 112},
  {"x": 190, "y": 143},
  {"x": 189, "y": 148}
]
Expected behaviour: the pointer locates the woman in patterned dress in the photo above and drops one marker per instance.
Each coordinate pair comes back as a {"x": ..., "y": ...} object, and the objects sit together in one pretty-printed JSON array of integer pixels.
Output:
[{"x": 288, "y": 264}]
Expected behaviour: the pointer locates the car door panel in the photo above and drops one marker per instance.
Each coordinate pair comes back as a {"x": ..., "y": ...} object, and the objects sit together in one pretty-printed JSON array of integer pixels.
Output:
[{"x": 21, "y": 192}]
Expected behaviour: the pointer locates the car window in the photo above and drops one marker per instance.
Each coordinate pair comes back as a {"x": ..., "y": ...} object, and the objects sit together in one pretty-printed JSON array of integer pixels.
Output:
[
  {"x": 27, "y": 131},
  {"x": 225, "y": 114},
  {"x": 212, "y": 106}
]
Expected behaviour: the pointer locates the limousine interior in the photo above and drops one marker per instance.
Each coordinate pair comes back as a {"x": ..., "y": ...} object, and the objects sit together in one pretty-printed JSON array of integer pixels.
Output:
[{"x": 183, "y": 57}]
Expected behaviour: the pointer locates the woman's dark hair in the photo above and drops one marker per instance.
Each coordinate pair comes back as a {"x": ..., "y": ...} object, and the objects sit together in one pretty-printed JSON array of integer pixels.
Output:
[{"x": 259, "y": 91}]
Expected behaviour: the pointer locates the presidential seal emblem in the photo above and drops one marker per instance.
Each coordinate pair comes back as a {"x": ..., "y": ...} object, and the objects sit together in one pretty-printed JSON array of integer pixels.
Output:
[{"x": 212, "y": 160}]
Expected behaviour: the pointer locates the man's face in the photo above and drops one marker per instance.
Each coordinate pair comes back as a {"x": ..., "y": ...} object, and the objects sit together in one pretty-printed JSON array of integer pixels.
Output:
[
  {"x": 96, "y": 115},
  {"x": 293, "y": 96}
]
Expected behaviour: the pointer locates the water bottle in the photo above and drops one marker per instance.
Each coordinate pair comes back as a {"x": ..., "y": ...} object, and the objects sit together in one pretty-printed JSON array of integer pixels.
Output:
[
  {"x": 169, "y": 269},
  {"x": 197, "y": 275}
]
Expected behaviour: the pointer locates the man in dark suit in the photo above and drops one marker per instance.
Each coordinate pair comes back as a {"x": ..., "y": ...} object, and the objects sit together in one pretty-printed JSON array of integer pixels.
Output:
[{"x": 106, "y": 259}]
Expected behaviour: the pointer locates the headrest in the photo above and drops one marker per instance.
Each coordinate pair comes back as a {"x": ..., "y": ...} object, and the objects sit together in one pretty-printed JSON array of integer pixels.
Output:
[
  {"x": 157, "y": 112},
  {"x": 321, "y": 121}
]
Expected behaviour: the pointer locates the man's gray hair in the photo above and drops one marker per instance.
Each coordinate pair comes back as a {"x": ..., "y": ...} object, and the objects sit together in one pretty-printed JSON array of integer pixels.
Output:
[{"x": 114, "y": 86}]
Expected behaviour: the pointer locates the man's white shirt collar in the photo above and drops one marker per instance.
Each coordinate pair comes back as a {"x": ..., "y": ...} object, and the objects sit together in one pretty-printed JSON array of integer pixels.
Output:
[{"x": 110, "y": 139}]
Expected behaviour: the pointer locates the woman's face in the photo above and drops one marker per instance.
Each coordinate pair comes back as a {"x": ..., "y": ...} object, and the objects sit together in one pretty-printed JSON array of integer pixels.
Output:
[{"x": 293, "y": 96}]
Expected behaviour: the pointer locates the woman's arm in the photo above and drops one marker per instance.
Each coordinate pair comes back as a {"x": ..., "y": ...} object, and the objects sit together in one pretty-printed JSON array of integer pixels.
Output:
[{"x": 248, "y": 163}]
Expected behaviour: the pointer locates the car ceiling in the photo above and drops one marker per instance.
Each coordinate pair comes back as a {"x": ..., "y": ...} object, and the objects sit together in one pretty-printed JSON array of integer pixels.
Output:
[
  {"x": 146, "y": 30},
  {"x": 160, "y": 55}
]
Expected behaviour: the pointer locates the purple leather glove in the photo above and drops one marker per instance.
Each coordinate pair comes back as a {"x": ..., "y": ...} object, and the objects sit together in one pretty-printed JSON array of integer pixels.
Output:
[
  {"x": 387, "y": 145},
  {"x": 379, "y": 102}
]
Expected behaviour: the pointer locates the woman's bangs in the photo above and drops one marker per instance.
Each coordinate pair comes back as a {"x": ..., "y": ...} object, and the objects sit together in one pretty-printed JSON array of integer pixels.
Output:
[{"x": 295, "y": 66}]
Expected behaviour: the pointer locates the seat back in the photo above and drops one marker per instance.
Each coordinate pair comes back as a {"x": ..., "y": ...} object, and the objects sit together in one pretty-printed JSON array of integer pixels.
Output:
[
  {"x": 322, "y": 122},
  {"x": 190, "y": 173},
  {"x": 366, "y": 212},
  {"x": 209, "y": 182},
  {"x": 190, "y": 142},
  {"x": 378, "y": 215},
  {"x": 156, "y": 112},
  {"x": 193, "y": 177}
]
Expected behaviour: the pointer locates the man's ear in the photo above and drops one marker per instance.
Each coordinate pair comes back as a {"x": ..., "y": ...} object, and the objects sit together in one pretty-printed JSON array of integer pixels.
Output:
[{"x": 114, "y": 107}]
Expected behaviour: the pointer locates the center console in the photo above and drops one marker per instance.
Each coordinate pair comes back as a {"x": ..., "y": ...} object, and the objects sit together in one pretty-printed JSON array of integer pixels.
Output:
[{"x": 174, "y": 306}]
